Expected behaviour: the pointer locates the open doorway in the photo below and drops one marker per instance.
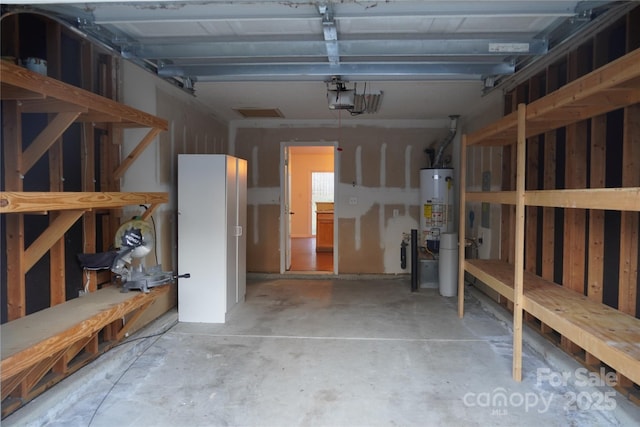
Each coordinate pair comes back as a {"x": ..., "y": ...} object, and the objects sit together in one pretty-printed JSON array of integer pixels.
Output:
[{"x": 309, "y": 208}]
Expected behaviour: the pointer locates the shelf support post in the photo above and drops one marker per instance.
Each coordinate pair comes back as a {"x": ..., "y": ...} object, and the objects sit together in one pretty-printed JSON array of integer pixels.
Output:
[
  {"x": 630, "y": 224},
  {"x": 12, "y": 152},
  {"x": 519, "y": 243},
  {"x": 461, "y": 233}
]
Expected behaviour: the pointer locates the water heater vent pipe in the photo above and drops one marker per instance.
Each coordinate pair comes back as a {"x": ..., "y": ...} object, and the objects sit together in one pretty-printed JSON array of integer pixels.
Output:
[{"x": 453, "y": 128}]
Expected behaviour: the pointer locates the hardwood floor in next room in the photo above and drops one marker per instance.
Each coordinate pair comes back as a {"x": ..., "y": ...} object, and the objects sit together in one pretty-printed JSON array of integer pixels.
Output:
[{"x": 305, "y": 258}]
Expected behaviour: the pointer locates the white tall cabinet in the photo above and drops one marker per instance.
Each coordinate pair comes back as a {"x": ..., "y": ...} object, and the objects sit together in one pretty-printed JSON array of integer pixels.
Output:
[{"x": 212, "y": 217}]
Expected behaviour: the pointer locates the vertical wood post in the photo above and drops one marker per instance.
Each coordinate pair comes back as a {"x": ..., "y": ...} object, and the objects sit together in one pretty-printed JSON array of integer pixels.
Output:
[
  {"x": 12, "y": 142},
  {"x": 628, "y": 289},
  {"x": 57, "y": 282},
  {"x": 531, "y": 183},
  {"x": 549, "y": 183},
  {"x": 89, "y": 217},
  {"x": 575, "y": 220},
  {"x": 518, "y": 286},
  {"x": 462, "y": 231},
  {"x": 87, "y": 155},
  {"x": 597, "y": 175}
]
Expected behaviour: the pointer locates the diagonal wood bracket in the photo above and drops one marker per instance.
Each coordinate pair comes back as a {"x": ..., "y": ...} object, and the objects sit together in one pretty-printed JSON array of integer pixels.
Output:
[
  {"x": 150, "y": 210},
  {"x": 46, "y": 138},
  {"x": 126, "y": 163},
  {"x": 131, "y": 321},
  {"x": 30, "y": 377},
  {"x": 51, "y": 235},
  {"x": 39, "y": 371}
]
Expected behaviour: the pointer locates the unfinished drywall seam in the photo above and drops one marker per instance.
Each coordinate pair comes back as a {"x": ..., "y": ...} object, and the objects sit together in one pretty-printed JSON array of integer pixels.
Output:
[
  {"x": 233, "y": 131},
  {"x": 172, "y": 168},
  {"x": 184, "y": 139},
  {"x": 407, "y": 167},
  {"x": 172, "y": 149},
  {"x": 254, "y": 184},
  {"x": 158, "y": 161},
  {"x": 407, "y": 175},
  {"x": 357, "y": 235},
  {"x": 359, "y": 165},
  {"x": 254, "y": 166},
  {"x": 383, "y": 165},
  {"x": 383, "y": 179},
  {"x": 381, "y": 222}
]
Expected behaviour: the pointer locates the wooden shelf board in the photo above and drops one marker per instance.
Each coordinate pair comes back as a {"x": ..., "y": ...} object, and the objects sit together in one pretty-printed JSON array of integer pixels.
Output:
[
  {"x": 28, "y": 340},
  {"x": 604, "y": 332},
  {"x": 16, "y": 202},
  {"x": 504, "y": 128},
  {"x": 631, "y": 83},
  {"x": 614, "y": 74},
  {"x": 497, "y": 197},
  {"x": 620, "y": 199},
  {"x": 12, "y": 93},
  {"x": 21, "y": 78},
  {"x": 497, "y": 278},
  {"x": 610, "y": 87},
  {"x": 47, "y": 105}
]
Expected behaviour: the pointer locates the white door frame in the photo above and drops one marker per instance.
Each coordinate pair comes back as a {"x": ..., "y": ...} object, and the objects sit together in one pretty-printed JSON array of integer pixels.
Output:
[{"x": 283, "y": 197}]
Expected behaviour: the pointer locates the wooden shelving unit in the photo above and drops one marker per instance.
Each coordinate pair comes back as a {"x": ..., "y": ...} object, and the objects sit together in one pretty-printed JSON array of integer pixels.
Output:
[
  {"x": 35, "y": 201},
  {"x": 41, "y": 348},
  {"x": 608, "y": 334}
]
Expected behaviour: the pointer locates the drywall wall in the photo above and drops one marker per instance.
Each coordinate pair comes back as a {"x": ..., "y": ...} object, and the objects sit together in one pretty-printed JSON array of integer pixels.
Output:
[
  {"x": 376, "y": 199},
  {"x": 191, "y": 130}
]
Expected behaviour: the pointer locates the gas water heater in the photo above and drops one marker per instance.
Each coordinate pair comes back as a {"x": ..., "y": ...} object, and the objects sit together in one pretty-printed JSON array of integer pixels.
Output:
[{"x": 436, "y": 201}]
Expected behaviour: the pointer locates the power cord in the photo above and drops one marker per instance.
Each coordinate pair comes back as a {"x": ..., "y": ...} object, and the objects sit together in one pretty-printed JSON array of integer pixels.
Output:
[
  {"x": 157, "y": 336},
  {"x": 138, "y": 339}
]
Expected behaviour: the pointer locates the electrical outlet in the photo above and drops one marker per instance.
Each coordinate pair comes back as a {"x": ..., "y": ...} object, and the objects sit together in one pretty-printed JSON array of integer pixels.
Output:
[
  {"x": 396, "y": 212},
  {"x": 353, "y": 200}
]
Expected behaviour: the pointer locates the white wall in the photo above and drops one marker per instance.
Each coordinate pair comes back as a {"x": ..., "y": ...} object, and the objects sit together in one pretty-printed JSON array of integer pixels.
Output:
[{"x": 192, "y": 129}]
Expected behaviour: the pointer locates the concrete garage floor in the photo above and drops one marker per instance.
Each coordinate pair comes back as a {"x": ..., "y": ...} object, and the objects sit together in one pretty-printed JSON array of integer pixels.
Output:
[{"x": 331, "y": 353}]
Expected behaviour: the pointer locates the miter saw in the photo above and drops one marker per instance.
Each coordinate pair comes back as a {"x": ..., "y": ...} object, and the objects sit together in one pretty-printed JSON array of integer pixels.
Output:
[{"x": 134, "y": 239}]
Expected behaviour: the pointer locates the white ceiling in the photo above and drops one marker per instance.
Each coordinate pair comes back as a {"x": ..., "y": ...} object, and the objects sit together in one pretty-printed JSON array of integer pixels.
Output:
[{"x": 430, "y": 58}]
